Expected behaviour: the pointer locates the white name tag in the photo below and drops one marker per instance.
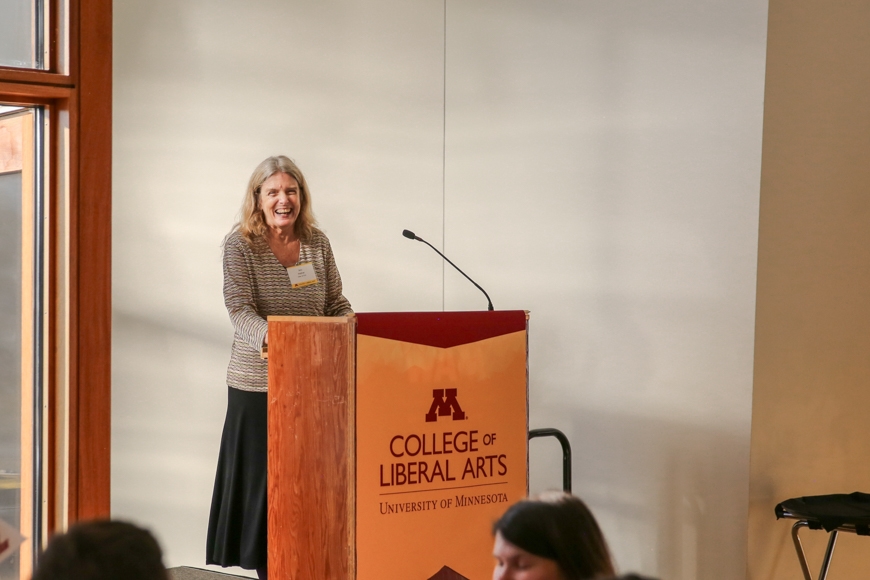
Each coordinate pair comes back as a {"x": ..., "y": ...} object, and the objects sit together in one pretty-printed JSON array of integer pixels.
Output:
[{"x": 302, "y": 275}]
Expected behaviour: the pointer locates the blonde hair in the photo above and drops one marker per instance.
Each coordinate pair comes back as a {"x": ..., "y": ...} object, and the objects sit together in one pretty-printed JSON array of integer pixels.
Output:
[{"x": 252, "y": 222}]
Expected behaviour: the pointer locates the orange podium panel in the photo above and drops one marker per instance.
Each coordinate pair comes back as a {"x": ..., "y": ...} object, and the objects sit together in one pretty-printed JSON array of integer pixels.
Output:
[{"x": 391, "y": 455}]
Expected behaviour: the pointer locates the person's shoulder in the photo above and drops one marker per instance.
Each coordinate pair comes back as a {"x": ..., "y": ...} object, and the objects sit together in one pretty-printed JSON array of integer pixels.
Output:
[
  {"x": 235, "y": 240},
  {"x": 318, "y": 238}
]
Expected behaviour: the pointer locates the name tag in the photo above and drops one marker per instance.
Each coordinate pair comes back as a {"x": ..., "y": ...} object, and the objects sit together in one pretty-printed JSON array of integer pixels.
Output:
[{"x": 302, "y": 275}]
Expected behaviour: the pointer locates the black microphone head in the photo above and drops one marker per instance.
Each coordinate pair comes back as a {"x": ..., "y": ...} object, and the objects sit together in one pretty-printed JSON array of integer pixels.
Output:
[{"x": 409, "y": 234}]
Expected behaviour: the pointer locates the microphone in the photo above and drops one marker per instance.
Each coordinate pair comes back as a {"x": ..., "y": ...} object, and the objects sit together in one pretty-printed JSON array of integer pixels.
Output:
[{"x": 412, "y": 236}]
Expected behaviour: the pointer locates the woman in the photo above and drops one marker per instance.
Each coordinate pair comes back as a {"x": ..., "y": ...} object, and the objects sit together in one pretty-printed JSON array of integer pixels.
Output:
[
  {"x": 551, "y": 537},
  {"x": 276, "y": 231}
]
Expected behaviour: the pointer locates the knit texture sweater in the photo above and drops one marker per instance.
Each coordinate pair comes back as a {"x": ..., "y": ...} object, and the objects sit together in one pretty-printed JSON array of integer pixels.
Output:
[{"x": 256, "y": 285}]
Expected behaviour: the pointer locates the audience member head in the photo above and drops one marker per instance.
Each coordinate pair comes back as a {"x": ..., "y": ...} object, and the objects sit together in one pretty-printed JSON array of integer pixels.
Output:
[
  {"x": 102, "y": 550},
  {"x": 550, "y": 537}
]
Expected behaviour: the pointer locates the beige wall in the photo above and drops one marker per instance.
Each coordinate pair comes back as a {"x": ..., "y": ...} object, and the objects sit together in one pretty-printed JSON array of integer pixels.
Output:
[
  {"x": 812, "y": 356},
  {"x": 601, "y": 165}
]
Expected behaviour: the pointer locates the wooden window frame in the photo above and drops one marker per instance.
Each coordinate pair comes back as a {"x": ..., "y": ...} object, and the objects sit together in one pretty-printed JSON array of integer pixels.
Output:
[{"x": 79, "y": 87}]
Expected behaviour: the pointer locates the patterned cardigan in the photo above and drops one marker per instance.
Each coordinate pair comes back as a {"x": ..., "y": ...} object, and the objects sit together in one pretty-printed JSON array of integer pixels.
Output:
[{"x": 256, "y": 285}]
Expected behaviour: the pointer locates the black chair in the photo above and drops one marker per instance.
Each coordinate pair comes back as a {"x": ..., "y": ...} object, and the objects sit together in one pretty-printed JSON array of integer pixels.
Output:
[
  {"x": 832, "y": 513},
  {"x": 566, "y": 452}
]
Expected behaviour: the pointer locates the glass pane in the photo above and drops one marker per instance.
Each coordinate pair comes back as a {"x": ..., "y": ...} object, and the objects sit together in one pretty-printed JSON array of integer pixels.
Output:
[
  {"x": 16, "y": 333},
  {"x": 10, "y": 357},
  {"x": 18, "y": 33}
]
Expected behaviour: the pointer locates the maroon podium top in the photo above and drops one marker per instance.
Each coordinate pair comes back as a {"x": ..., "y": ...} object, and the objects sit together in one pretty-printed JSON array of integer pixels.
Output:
[{"x": 441, "y": 329}]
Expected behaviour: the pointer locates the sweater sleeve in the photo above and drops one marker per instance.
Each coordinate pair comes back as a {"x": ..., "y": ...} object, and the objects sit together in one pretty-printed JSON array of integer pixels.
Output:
[
  {"x": 336, "y": 303},
  {"x": 239, "y": 294}
]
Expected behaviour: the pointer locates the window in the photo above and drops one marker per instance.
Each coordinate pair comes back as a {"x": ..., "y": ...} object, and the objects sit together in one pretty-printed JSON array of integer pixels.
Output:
[
  {"x": 18, "y": 305},
  {"x": 55, "y": 258},
  {"x": 21, "y": 33}
]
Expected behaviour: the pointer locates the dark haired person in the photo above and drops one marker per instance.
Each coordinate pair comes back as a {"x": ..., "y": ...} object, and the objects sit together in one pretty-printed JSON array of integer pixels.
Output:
[
  {"x": 553, "y": 536},
  {"x": 102, "y": 550},
  {"x": 276, "y": 236}
]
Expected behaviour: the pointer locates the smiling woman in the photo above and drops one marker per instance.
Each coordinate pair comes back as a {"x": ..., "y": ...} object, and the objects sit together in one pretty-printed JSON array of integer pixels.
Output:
[
  {"x": 267, "y": 177},
  {"x": 276, "y": 262},
  {"x": 279, "y": 198}
]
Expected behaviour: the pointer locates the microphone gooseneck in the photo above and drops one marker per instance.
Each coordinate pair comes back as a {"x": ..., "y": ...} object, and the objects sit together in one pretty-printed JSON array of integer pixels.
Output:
[{"x": 412, "y": 236}]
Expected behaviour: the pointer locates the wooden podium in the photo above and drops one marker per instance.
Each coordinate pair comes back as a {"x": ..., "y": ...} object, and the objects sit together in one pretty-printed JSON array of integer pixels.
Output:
[{"x": 395, "y": 441}]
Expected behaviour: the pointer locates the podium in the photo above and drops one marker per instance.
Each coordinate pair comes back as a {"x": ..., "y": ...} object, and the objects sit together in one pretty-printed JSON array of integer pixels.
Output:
[{"x": 395, "y": 441}]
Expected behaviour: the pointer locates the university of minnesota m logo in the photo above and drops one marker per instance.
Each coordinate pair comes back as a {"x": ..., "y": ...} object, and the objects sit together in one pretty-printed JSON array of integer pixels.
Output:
[{"x": 444, "y": 403}]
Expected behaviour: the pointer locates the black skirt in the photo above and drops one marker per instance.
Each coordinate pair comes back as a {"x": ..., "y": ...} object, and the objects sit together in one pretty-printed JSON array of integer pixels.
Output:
[{"x": 237, "y": 525}]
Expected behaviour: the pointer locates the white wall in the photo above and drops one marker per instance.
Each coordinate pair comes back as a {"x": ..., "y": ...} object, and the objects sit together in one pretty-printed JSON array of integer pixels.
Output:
[{"x": 601, "y": 169}]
